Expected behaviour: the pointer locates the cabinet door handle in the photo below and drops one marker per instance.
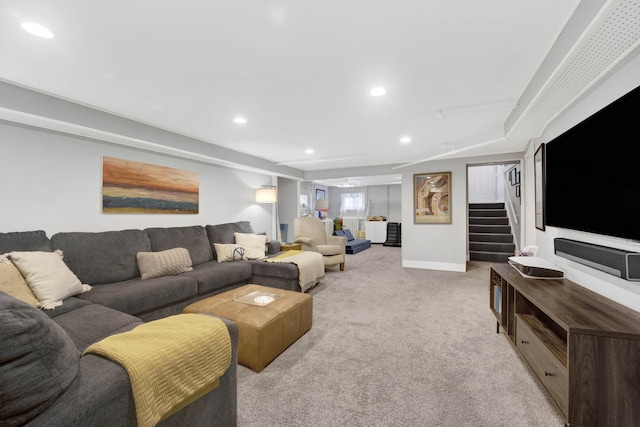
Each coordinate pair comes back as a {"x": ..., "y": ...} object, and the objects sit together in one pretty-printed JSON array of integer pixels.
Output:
[
  {"x": 548, "y": 374},
  {"x": 524, "y": 342}
]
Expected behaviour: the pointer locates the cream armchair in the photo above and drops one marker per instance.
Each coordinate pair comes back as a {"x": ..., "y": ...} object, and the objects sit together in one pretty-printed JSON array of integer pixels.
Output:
[{"x": 310, "y": 232}]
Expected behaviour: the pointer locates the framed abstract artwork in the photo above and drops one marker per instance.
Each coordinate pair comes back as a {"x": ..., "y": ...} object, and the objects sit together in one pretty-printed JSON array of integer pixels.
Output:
[
  {"x": 141, "y": 188},
  {"x": 431, "y": 198}
]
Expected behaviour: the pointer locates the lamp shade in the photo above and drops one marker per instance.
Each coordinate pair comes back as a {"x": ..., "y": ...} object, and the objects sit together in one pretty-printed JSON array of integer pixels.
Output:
[
  {"x": 266, "y": 195},
  {"x": 322, "y": 205}
]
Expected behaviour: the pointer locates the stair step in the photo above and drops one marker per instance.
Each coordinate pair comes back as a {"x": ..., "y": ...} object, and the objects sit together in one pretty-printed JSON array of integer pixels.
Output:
[
  {"x": 487, "y": 212},
  {"x": 486, "y": 205},
  {"x": 489, "y": 220},
  {"x": 492, "y": 247},
  {"x": 489, "y": 256},
  {"x": 500, "y": 229},
  {"x": 491, "y": 237}
]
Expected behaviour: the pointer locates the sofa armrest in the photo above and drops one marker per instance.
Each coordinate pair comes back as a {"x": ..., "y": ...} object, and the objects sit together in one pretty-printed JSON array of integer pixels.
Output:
[
  {"x": 101, "y": 395},
  {"x": 308, "y": 244},
  {"x": 337, "y": 240},
  {"x": 273, "y": 247}
]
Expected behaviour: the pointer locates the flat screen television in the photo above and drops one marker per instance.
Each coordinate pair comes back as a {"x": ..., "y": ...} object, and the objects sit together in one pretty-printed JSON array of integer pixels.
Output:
[{"x": 592, "y": 180}]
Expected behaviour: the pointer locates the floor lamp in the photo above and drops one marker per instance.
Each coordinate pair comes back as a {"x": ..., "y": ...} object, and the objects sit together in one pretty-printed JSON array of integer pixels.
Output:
[{"x": 268, "y": 194}]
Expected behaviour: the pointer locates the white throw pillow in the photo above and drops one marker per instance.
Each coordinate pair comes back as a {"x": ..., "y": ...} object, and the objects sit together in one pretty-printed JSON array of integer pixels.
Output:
[
  {"x": 48, "y": 276},
  {"x": 163, "y": 263},
  {"x": 253, "y": 244},
  {"x": 229, "y": 252}
]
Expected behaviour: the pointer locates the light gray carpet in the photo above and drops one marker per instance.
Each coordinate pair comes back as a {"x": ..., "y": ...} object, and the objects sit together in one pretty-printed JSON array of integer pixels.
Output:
[{"x": 394, "y": 346}]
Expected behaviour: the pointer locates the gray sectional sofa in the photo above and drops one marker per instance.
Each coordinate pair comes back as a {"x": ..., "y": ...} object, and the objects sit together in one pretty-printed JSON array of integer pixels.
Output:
[
  {"x": 55, "y": 386},
  {"x": 107, "y": 262}
]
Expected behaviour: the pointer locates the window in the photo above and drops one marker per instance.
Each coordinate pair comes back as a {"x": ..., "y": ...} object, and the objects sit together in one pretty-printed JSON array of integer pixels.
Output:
[{"x": 352, "y": 205}]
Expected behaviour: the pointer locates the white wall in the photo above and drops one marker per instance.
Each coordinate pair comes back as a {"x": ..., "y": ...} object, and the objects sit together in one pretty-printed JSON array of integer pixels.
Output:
[
  {"x": 385, "y": 201},
  {"x": 53, "y": 182},
  {"x": 378, "y": 197},
  {"x": 394, "y": 203},
  {"x": 436, "y": 246},
  {"x": 625, "y": 292},
  {"x": 441, "y": 246}
]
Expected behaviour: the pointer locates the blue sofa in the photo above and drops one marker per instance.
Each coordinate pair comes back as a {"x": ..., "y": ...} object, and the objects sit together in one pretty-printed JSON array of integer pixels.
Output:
[{"x": 353, "y": 245}]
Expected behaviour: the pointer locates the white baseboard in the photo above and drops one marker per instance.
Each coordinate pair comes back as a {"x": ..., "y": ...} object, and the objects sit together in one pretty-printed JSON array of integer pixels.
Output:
[{"x": 426, "y": 265}]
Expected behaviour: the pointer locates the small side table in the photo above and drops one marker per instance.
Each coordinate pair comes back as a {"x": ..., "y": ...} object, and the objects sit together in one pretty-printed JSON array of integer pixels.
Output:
[{"x": 291, "y": 246}]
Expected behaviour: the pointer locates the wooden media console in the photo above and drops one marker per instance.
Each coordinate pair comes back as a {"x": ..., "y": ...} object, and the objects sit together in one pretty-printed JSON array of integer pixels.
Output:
[{"x": 582, "y": 347}]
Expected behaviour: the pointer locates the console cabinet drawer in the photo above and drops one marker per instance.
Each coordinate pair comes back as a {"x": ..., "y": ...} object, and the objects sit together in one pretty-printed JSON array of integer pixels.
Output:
[{"x": 551, "y": 372}]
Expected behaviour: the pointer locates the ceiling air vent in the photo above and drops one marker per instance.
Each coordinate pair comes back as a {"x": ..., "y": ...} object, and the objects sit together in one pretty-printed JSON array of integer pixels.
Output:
[{"x": 612, "y": 35}]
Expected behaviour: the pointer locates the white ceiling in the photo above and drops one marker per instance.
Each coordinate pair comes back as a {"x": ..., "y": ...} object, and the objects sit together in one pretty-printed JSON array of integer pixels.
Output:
[{"x": 299, "y": 71}]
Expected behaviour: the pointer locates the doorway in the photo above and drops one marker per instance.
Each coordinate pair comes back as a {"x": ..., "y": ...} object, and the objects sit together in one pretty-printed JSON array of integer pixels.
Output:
[{"x": 493, "y": 210}]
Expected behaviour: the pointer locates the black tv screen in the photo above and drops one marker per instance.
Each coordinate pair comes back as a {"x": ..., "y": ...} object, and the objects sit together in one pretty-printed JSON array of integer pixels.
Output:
[{"x": 593, "y": 172}]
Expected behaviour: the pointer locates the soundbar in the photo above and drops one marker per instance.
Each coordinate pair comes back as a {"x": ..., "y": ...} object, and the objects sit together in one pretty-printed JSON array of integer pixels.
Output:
[{"x": 618, "y": 262}]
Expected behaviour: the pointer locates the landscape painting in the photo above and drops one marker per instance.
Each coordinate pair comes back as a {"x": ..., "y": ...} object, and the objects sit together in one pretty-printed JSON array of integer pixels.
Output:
[{"x": 133, "y": 187}]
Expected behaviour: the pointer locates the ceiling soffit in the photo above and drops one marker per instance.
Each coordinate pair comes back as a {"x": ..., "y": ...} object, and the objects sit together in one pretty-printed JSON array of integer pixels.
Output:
[{"x": 613, "y": 34}]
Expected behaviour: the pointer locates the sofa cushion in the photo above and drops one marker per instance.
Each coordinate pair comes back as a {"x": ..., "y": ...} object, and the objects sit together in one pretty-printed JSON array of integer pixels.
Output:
[
  {"x": 254, "y": 244},
  {"x": 288, "y": 271},
  {"x": 226, "y": 252},
  {"x": 164, "y": 263},
  {"x": 24, "y": 241},
  {"x": 93, "y": 322},
  {"x": 104, "y": 257},
  {"x": 213, "y": 276},
  {"x": 38, "y": 361},
  {"x": 193, "y": 238},
  {"x": 328, "y": 250},
  {"x": 138, "y": 296},
  {"x": 348, "y": 234},
  {"x": 357, "y": 245},
  {"x": 12, "y": 282},
  {"x": 70, "y": 304},
  {"x": 224, "y": 233},
  {"x": 48, "y": 276}
]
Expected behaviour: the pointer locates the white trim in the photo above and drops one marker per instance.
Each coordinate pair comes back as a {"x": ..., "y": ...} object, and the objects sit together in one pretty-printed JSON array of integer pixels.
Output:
[
  {"x": 65, "y": 127},
  {"x": 427, "y": 265}
]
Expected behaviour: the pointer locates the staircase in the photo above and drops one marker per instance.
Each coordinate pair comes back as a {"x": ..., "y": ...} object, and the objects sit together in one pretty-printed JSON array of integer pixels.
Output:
[{"x": 490, "y": 237}]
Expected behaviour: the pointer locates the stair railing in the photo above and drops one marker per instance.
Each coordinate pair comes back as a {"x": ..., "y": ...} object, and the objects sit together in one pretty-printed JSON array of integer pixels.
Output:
[{"x": 514, "y": 220}]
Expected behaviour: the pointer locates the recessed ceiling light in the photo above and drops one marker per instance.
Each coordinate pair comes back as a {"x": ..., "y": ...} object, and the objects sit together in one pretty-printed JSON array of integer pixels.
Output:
[
  {"x": 240, "y": 120},
  {"x": 405, "y": 139},
  {"x": 309, "y": 151},
  {"x": 378, "y": 91},
  {"x": 37, "y": 30}
]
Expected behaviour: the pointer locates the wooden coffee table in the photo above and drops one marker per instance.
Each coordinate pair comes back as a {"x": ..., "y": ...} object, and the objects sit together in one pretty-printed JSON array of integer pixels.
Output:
[{"x": 264, "y": 331}]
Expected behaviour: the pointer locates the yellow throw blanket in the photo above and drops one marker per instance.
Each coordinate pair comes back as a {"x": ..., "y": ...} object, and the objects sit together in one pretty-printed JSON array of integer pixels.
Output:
[
  {"x": 171, "y": 362},
  {"x": 285, "y": 254},
  {"x": 310, "y": 266}
]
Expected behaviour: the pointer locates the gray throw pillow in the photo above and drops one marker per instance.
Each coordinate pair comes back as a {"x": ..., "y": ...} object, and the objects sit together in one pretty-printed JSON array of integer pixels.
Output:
[{"x": 38, "y": 361}]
